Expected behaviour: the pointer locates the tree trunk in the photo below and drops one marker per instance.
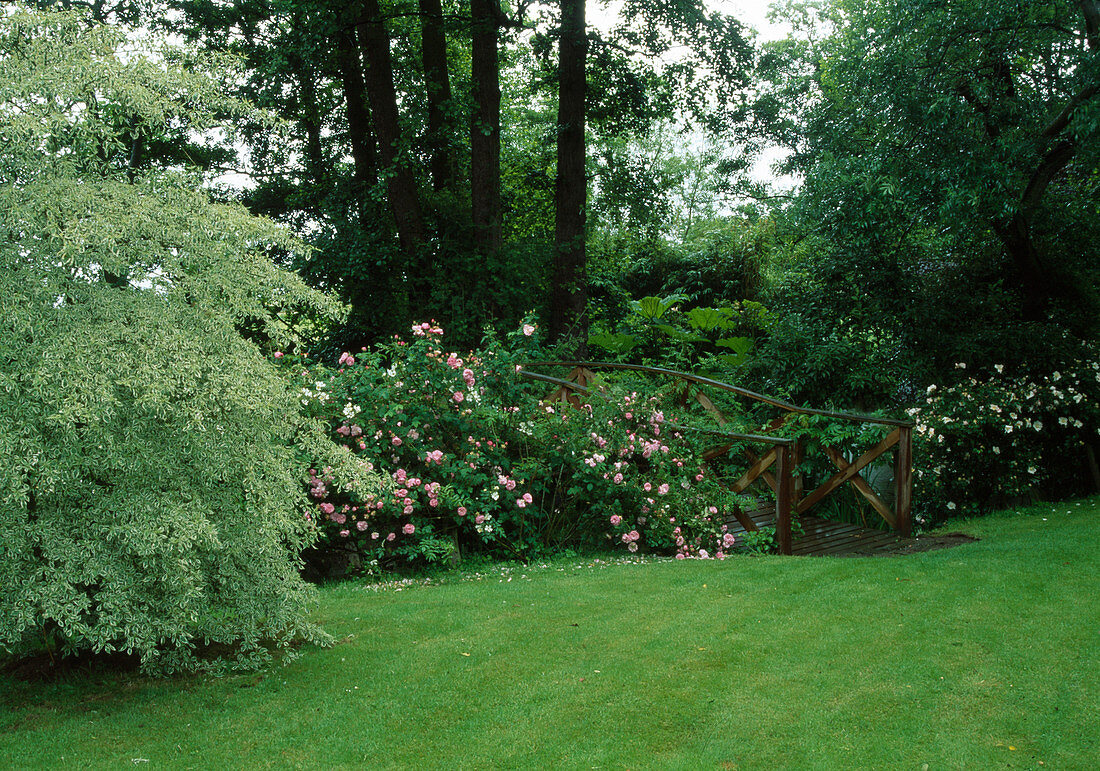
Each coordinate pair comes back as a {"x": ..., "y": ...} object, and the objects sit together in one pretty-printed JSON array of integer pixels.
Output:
[
  {"x": 374, "y": 41},
  {"x": 363, "y": 153},
  {"x": 438, "y": 85},
  {"x": 569, "y": 291},
  {"x": 485, "y": 129},
  {"x": 310, "y": 112}
]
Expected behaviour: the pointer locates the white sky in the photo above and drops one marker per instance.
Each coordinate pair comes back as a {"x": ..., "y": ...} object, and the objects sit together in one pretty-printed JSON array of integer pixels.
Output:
[{"x": 753, "y": 13}]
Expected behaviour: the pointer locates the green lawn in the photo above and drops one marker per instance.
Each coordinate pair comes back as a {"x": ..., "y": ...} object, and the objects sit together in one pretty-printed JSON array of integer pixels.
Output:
[{"x": 985, "y": 655}]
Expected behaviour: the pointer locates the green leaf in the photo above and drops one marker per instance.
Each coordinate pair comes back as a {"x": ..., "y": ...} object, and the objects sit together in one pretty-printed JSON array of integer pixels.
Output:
[
  {"x": 740, "y": 345},
  {"x": 615, "y": 342},
  {"x": 708, "y": 319},
  {"x": 681, "y": 334},
  {"x": 655, "y": 307}
]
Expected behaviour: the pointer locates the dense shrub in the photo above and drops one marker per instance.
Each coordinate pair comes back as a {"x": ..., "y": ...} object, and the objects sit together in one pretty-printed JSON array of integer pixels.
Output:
[
  {"x": 615, "y": 469},
  {"x": 996, "y": 436},
  {"x": 477, "y": 462},
  {"x": 149, "y": 500},
  {"x": 443, "y": 430}
]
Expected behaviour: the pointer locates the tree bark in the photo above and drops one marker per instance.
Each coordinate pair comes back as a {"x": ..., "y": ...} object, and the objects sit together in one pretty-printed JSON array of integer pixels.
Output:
[
  {"x": 363, "y": 153},
  {"x": 569, "y": 291},
  {"x": 404, "y": 202},
  {"x": 310, "y": 120},
  {"x": 438, "y": 86},
  {"x": 485, "y": 128}
]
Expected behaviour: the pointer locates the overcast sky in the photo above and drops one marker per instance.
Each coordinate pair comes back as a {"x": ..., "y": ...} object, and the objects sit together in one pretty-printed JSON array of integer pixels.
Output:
[{"x": 754, "y": 13}]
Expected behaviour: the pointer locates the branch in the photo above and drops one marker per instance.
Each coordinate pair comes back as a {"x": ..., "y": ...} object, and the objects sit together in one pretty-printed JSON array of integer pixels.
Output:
[
  {"x": 1052, "y": 163},
  {"x": 511, "y": 22},
  {"x": 1056, "y": 126}
]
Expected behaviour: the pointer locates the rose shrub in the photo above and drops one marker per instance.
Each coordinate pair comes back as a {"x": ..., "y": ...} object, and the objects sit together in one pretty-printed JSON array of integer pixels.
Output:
[
  {"x": 616, "y": 469},
  {"x": 476, "y": 462},
  {"x": 441, "y": 429}
]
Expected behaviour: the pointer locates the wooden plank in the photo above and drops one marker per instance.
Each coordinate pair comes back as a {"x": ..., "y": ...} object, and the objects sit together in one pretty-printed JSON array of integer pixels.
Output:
[
  {"x": 840, "y": 478},
  {"x": 757, "y": 469},
  {"x": 903, "y": 483},
  {"x": 821, "y": 533},
  {"x": 828, "y": 540},
  {"x": 848, "y": 548},
  {"x": 744, "y": 520},
  {"x": 767, "y": 476},
  {"x": 716, "y": 452},
  {"x": 815, "y": 525},
  {"x": 864, "y": 489},
  {"x": 708, "y": 405}
]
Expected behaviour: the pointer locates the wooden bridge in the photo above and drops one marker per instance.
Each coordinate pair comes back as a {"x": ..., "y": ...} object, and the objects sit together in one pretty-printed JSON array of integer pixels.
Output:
[{"x": 776, "y": 463}]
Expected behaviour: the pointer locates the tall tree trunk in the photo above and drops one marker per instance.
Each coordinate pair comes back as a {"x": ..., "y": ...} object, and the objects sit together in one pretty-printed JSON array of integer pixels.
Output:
[
  {"x": 363, "y": 153},
  {"x": 310, "y": 112},
  {"x": 374, "y": 41},
  {"x": 485, "y": 129},
  {"x": 569, "y": 291},
  {"x": 438, "y": 84}
]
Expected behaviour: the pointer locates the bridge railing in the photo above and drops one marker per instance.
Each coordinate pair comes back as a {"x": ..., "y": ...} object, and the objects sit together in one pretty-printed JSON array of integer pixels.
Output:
[{"x": 778, "y": 462}]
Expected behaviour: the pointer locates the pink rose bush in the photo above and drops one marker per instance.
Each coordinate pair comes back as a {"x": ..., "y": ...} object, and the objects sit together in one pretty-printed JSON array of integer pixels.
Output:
[
  {"x": 441, "y": 427},
  {"x": 628, "y": 479},
  {"x": 476, "y": 462}
]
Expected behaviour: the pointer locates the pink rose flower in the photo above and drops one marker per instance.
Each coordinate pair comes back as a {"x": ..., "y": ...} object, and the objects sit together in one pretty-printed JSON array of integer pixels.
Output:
[
  {"x": 409, "y": 529},
  {"x": 391, "y": 536},
  {"x": 528, "y": 330},
  {"x": 278, "y": 354},
  {"x": 616, "y": 519},
  {"x": 462, "y": 511},
  {"x": 458, "y": 396}
]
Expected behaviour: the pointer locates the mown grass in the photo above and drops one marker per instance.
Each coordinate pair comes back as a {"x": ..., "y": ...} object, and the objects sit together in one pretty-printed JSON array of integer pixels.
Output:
[{"x": 985, "y": 655}]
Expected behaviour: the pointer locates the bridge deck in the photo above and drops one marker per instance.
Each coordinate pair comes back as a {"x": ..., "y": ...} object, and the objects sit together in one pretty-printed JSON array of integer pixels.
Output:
[{"x": 822, "y": 537}]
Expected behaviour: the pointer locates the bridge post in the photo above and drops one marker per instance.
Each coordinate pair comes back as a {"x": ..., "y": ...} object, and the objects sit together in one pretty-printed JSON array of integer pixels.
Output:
[
  {"x": 783, "y": 496},
  {"x": 903, "y": 481}
]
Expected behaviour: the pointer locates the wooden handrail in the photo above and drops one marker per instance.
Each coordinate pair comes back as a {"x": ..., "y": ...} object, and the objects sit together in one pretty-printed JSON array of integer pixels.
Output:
[{"x": 723, "y": 387}]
